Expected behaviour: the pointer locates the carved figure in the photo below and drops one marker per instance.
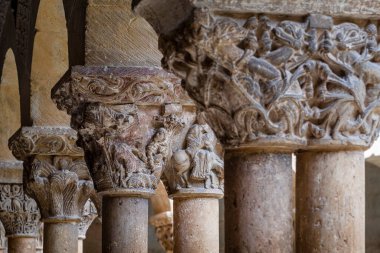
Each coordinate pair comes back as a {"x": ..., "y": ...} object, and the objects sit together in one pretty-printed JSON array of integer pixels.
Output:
[
  {"x": 199, "y": 162},
  {"x": 308, "y": 82}
]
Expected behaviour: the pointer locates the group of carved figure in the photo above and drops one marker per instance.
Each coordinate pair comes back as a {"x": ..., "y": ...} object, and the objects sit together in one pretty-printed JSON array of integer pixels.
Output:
[{"x": 258, "y": 77}]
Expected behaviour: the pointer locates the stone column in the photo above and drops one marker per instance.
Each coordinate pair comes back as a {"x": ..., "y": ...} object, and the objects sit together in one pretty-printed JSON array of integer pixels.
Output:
[
  {"x": 57, "y": 177},
  {"x": 19, "y": 213},
  {"x": 127, "y": 120},
  {"x": 40, "y": 239},
  {"x": 3, "y": 240},
  {"x": 270, "y": 85},
  {"x": 330, "y": 202},
  {"x": 162, "y": 218},
  {"x": 89, "y": 214},
  {"x": 196, "y": 181}
]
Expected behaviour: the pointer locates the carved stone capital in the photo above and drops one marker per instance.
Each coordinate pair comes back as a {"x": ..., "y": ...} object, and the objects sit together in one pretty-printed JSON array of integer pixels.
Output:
[
  {"x": 264, "y": 81},
  {"x": 89, "y": 214},
  {"x": 163, "y": 223},
  {"x": 19, "y": 213},
  {"x": 197, "y": 169},
  {"x": 126, "y": 120},
  {"x": 55, "y": 174}
]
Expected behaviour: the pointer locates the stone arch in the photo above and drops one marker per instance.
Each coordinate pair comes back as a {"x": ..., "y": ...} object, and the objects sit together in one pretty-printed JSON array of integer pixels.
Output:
[
  {"x": 49, "y": 63},
  {"x": 10, "y": 116}
]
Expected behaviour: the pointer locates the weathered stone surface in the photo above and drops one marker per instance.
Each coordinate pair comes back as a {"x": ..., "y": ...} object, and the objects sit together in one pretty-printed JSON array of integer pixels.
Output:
[
  {"x": 197, "y": 170},
  {"x": 125, "y": 224},
  {"x": 330, "y": 202},
  {"x": 132, "y": 42},
  {"x": 21, "y": 245},
  {"x": 372, "y": 208},
  {"x": 56, "y": 175},
  {"x": 126, "y": 120},
  {"x": 49, "y": 63},
  {"x": 278, "y": 83},
  {"x": 89, "y": 214},
  {"x": 19, "y": 213},
  {"x": 163, "y": 223},
  {"x": 10, "y": 118},
  {"x": 11, "y": 172},
  {"x": 347, "y": 8},
  {"x": 196, "y": 225},
  {"x": 61, "y": 237},
  {"x": 259, "y": 203}
]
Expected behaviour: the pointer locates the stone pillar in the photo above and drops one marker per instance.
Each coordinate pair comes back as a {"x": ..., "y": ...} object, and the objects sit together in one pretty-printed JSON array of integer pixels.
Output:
[
  {"x": 40, "y": 239},
  {"x": 3, "y": 240},
  {"x": 258, "y": 185},
  {"x": 196, "y": 181},
  {"x": 19, "y": 213},
  {"x": 89, "y": 214},
  {"x": 269, "y": 85},
  {"x": 57, "y": 177},
  {"x": 127, "y": 120},
  {"x": 330, "y": 202}
]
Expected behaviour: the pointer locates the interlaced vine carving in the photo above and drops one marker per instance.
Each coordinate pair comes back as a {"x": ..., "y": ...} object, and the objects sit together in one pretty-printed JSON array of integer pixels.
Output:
[
  {"x": 19, "y": 213},
  {"x": 272, "y": 81}
]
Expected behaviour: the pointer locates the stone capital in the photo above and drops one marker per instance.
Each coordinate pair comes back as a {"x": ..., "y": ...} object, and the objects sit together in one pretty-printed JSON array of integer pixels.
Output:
[
  {"x": 197, "y": 169},
  {"x": 126, "y": 120},
  {"x": 163, "y": 223},
  {"x": 56, "y": 175},
  {"x": 19, "y": 213},
  {"x": 266, "y": 82},
  {"x": 89, "y": 214}
]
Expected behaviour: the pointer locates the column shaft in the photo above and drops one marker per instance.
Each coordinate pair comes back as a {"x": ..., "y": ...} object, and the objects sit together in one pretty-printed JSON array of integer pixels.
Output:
[
  {"x": 21, "y": 245},
  {"x": 61, "y": 237},
  {"x": 196, "y": 225},
  {"x": 80, "y": 246},
  {"x": 125, "y": 225},
  {"x": 259, "y": 203},
  {"x": 330, "y": 202}
]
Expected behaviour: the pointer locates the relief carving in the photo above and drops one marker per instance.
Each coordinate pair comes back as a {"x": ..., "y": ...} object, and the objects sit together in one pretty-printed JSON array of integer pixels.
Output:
[
  {"x": 126, "y": 119},
  {"x": 265, "y": 81},
  {"x": 163, "y": 223},
  {"x": 61, "y": 185},
  {"x": 117, "y": 158},
  {"x": 89, "y": 214},
  {"x": 19, "y": 213},
  {"x": 198, "y": 166},
  {"x": 55, "y": 174}
]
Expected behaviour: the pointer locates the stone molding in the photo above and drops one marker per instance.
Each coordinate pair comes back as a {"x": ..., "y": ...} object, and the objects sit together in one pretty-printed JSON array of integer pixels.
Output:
[
  {"x": 19, "y": 213},
  {"x": 126, "y": 119},
  {"x": 29, "y": 141},
  {"x": 268, "y": 82},
  {"x": 163, "y": 223},
  {"x": 55, "y": 175},
  {"x": 89, "y": 214}
]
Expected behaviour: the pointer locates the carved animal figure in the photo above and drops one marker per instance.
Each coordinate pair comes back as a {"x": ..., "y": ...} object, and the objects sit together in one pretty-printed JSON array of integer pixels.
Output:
[{"x": 199, "y": 162}]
